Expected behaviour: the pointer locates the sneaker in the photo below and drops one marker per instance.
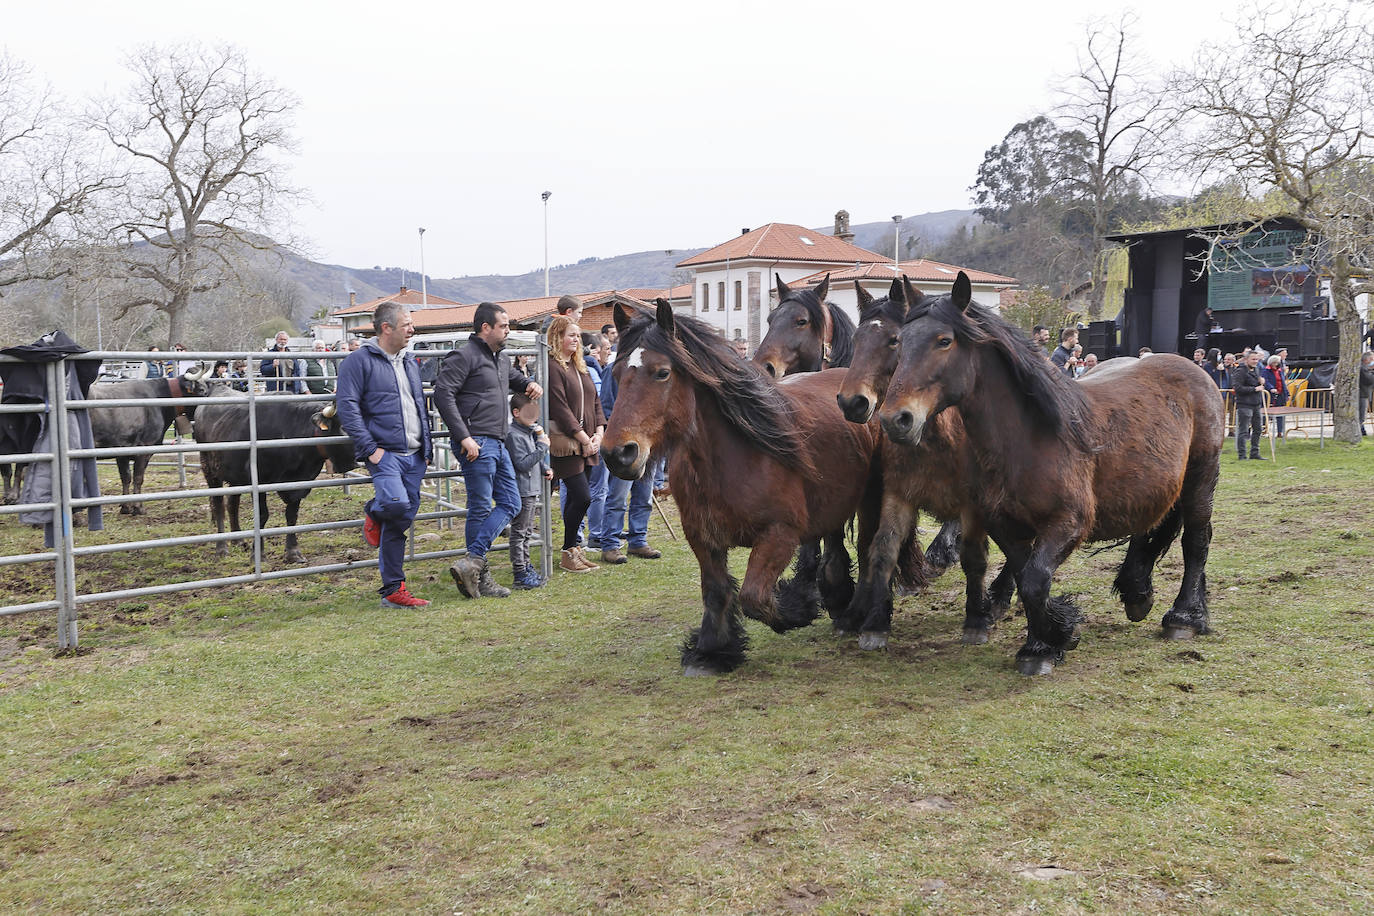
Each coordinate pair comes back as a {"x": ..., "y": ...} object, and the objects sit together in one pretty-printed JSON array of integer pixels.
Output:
[
  {"x": 372, "y": 531},
  {"x": 487, "y": 587},
  {"x": 613, "y": 556},
  {"x": 645, "y": 553},
  {"x": 526, "y": 579},
  {"x": 467, "y": 575},
  {"x": 403, "y": 598}
]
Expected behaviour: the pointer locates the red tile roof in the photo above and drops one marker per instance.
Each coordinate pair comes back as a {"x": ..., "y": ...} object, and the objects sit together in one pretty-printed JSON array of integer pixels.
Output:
[
  {"x": 784, "y": 242},
  {"x": 920, "y": 271},
  {"x": 408, "y": 297},
  {"x": 681, "y": 291},
  {"x": 521, "y": 311}
]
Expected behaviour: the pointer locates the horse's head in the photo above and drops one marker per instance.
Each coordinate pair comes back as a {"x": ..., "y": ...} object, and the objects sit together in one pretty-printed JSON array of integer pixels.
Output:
[
  {"x": 799, "y": 331},
  {"x": 933, "y": 369},
  {"x": 877, "y": 344},
  {"x": 650, "y": 400}
]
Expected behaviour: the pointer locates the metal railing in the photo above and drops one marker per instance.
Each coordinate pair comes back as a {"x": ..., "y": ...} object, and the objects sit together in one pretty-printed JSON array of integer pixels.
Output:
[{"x": 66, "y": 554}]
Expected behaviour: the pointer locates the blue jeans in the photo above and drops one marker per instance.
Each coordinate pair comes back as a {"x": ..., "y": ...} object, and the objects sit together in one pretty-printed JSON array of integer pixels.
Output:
[
  {"x": 1249, "y": 420},
  {"x": 490, "y": 477},
  {"x": 639, "y": 494},
  {"x": 396, "y": 483},
  {"x": 597, "y": 481}
]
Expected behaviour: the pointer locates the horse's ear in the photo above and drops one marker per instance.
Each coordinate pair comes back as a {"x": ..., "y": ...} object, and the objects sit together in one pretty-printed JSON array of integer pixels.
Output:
[
  {"x": 865, "y": 298},
  {"x": 665, "y": 316},
  {"x": 783, "y": 291},
  {"x": 897, "y": 293},
  {"x": 824, "y": 289},
  {"x": 909, "y": 290},
  {"x": 963, "y": 291},
  {"x": 622, "y": 318}
]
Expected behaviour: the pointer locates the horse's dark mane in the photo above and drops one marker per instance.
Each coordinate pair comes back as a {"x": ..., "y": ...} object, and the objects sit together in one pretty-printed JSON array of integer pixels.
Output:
[
  {"x": 884, "y": 309},
  {"x": 842, "y": 328},
  {"x": 1057, "y": 399},
  {"x": 747, "y": 398}
]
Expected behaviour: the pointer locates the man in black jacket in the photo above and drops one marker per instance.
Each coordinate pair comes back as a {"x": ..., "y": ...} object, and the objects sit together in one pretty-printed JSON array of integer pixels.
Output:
[
  {"x": 1246, "y": 383},
  {"x": 1366, "y": 385},
  {"x": 471, "y": 393}
]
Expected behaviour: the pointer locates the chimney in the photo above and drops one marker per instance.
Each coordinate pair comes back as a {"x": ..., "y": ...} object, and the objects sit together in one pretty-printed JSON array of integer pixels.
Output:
[
  {"x": 842, "y": 226},
  {"x": 744, "y": 231},
  {"x": 403, "y": 289},
  {"x": 352, "y": 298}
]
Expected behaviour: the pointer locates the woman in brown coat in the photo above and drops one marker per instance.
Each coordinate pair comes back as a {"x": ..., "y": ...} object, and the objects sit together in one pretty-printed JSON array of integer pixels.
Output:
[{"x": 576, "y": 424}]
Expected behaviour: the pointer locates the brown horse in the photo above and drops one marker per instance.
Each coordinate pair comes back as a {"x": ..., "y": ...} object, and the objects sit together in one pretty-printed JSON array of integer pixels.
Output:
[
  {"x": 933, "y": 476},
  {"x": 805, "y": 333},
  {"x": 1131, "y": 450},
  {"x": 753, "y": 463}
]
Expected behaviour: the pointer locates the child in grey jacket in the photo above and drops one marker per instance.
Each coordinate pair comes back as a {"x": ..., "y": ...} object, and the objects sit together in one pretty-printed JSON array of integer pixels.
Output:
[{"x": 529, "y": 452}]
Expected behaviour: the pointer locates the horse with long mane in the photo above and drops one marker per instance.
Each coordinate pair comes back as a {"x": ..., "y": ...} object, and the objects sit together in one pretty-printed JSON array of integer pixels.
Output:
[
  {"x": 805, "y": 332},
  {"x": 933, "y": 476},
  {"x": 753, "y": 464},
  {"x": 1131, "y": 451}
]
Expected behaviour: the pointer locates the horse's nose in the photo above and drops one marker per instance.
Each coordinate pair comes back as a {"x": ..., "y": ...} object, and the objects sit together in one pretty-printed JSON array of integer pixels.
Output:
[
  {"x": 622, "y": 457},
  {"x": 856, "y": 407},
  {"x": 770, "y": 369},
  {"x": 898, "y": 426}
]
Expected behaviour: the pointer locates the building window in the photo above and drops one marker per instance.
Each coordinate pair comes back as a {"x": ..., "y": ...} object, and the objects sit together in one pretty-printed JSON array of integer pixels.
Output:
[
  {"x": 706, "y": 297},
  {"x": 720, "y": 304},
  {"x": 739, "y": 295}
]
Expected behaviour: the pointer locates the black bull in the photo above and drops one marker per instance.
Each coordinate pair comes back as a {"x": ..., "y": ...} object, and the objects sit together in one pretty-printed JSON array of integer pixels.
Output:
[
  {"x": 275, "y": 420},
  {"x": 124, "y": 427}
]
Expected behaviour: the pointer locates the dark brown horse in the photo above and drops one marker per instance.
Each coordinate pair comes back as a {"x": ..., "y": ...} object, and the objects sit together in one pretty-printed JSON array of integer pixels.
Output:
[
  {"x": 754, "y": 464},
  {"x": 805, "y": 333},
  {"x": 1131, "y": 450},
  {"x": 934, "y": 476}
]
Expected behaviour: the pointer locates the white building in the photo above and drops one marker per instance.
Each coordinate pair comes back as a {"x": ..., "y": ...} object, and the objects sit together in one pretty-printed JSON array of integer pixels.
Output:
[{"x": 735, "y": 283}]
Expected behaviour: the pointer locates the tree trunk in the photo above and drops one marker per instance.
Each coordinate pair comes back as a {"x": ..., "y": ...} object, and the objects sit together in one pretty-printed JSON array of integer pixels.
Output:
[
  {"x": 177, "y": 312},
  {"x": 1346, "y": 387}
]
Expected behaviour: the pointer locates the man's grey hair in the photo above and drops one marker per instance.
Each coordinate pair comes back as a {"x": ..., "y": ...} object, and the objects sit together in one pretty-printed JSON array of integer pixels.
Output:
[{"x": 387, "y": 313}]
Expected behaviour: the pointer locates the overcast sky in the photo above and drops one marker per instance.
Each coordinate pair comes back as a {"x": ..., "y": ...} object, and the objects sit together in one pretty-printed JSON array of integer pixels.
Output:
[{"x": 655, "y": 125}]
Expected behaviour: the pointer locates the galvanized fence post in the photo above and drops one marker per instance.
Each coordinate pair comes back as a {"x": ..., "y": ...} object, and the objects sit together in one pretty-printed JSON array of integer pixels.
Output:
[{"x": 64, "y": 566}]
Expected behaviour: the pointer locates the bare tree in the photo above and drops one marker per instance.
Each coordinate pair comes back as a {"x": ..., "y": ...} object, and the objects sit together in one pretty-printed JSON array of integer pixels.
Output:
[
  {"x": 1111, "y": 104},
  {"x": 49, "y": 177},
  {"x": 200, "y": 131},
  {"x": 1287, "y": 112}
]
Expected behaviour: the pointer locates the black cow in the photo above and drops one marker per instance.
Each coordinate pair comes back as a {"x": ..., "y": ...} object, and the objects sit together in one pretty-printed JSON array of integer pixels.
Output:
[
  {"x": 123, "y": 427},
  {"x": 275, "y": 420},
  {"x": 18, "y": 432}
]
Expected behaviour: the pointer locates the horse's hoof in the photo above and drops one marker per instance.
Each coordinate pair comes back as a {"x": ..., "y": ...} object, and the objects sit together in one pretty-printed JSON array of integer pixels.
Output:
[
  {"x": 842, "y": 631},
  {"x": 974, "y": 636},
  {"x": 1177, "y": 632},
  {"x": 296, "y": 557},
  {"x": 698, "y": 671},
  {"x": 1072, "y": 641},
  {"x": 1033, "y": 666},
  {"x": 221, "y": 551},
  {"x": 1137, "y": 611},
  {"x": 870, "y": 641},
  {"x": 124, "y": 510},
  {"x": 907, "y": 591}
]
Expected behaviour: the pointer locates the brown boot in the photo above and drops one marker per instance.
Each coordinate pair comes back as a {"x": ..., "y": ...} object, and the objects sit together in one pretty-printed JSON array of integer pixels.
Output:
[
  {"x": 612, "y": 556},
  {"x": 644, "y": 553},
  {"x": 568, "y": 561},
  {"x": 582, "y": 558}
]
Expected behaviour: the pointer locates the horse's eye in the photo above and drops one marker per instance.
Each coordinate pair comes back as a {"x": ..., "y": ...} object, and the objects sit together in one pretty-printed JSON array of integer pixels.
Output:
[
  {"x": 944, "y": 342},
  {"x": 893, "y": 341},
  {"x": 801, "y": 322},
  {"x": 661, "y": 374}
]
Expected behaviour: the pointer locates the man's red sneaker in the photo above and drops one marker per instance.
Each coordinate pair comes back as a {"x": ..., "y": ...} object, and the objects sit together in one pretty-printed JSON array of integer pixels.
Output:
[
  {"x": 372, "y": 532},
  {"x": 403, "y": 598}
]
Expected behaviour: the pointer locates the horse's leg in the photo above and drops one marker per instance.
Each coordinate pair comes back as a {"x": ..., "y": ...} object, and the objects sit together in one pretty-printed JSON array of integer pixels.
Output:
[
  {"x": 913, "y": 574},
  {"x": 873, "y": 599},
  {"x": 1188, "y": 617},
  {"x": 798, "y": 598},
  {"x": 978, "y": 614},
  {"x": 836, "y": 580},
  {"x": 719, "y": 645},
  {"x": 1051, "y": 624},
  {"x": 767, "y": 560},
  {"x": 1135, "y": 579},
  {"x": 9, "y": 493},
  {"x": 945, "y": 549}
]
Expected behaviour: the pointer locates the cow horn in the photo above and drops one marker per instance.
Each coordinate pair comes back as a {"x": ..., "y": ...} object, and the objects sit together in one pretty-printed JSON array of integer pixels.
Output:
[
  {"x": 195, "y": 373},
  {"x": 329, "y": 412}
]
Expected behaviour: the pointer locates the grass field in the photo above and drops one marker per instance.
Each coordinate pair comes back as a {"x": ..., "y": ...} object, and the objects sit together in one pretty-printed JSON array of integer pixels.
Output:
[{"x": 290, "y": 746}]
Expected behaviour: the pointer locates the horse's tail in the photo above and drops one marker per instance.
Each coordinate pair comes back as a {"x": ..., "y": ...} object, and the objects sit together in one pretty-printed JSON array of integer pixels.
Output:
[{"x": 841, "y": 337}]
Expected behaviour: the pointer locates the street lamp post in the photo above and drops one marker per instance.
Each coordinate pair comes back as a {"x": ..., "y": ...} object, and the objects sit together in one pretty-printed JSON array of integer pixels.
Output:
[
  {"x": 897, "y": 244},
  {"x": 545, "y": 197},
  {"x": 424, "y": 289}
]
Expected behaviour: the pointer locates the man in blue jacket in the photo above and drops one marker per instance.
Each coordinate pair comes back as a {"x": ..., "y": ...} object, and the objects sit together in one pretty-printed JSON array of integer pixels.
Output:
[
  {"x": 471, "y": 394},
  {"x": 382, "y": 409}
]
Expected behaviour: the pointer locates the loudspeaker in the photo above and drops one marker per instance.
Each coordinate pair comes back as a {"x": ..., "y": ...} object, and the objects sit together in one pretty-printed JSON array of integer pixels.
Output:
[
  {"x": 1100, "y": 338},
  {"x": 1321, "y": 338}
]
